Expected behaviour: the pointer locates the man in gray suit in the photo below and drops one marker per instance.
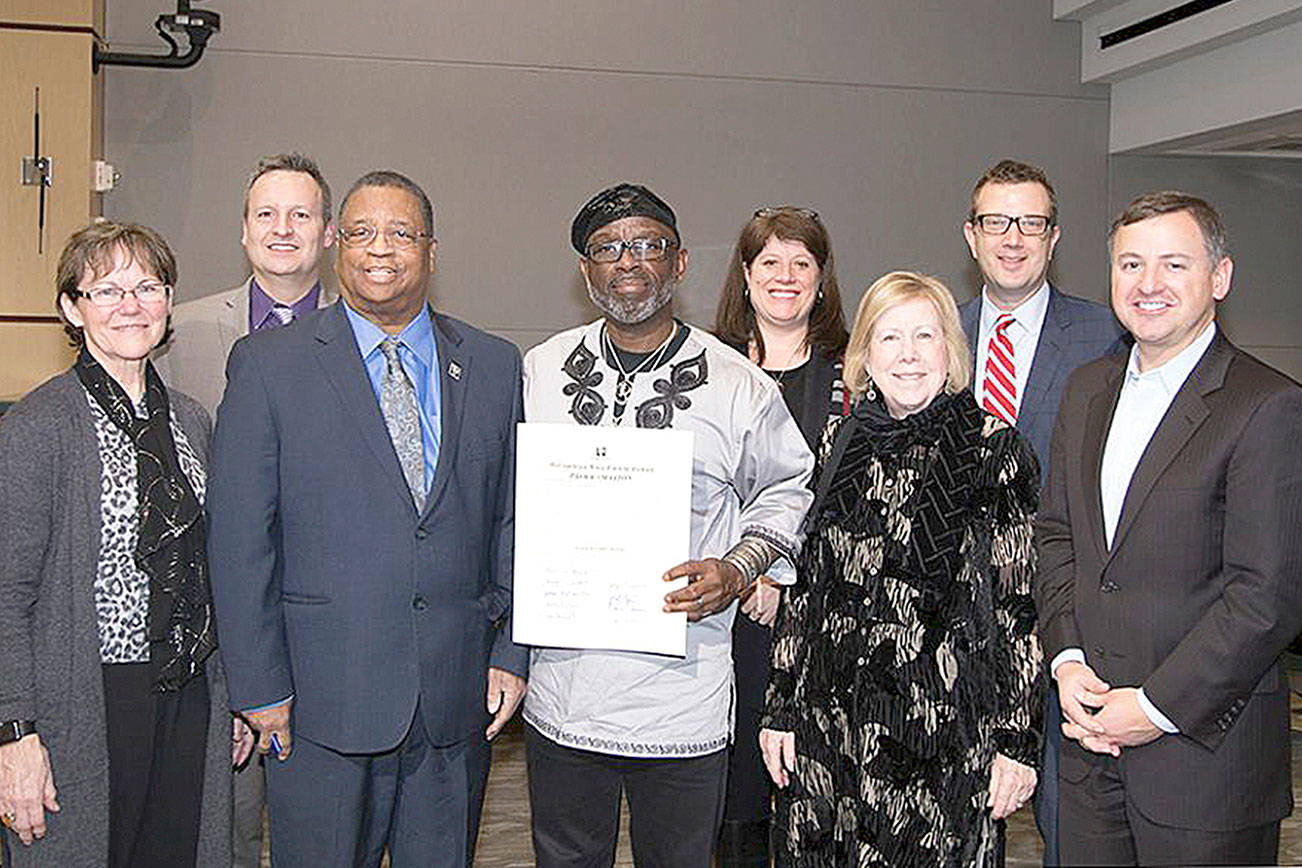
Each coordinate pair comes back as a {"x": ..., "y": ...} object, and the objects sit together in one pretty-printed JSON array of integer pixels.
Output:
[
  {"x": 1026, "y": 338},
  {"x": 285, "y": 231},
  {"x": 286, "y": 228},
  {"x": 361, "y": 510}
]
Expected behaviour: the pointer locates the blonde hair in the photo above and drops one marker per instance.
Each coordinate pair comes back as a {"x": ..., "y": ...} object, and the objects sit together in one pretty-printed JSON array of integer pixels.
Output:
[{"x": 885, "y": 293}]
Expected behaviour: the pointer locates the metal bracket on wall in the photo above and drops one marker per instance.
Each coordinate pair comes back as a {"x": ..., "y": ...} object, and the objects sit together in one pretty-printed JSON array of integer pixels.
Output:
[{"x": 38, "y": 171}]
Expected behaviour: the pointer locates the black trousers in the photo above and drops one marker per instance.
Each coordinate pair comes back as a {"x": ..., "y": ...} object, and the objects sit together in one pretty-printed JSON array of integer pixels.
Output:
[
  {"x": 675, "y": 806},
  {"x": 1099, "y": 825},
  {"x": 749, "y": 788},
  {"x": 156, "y": 745}
]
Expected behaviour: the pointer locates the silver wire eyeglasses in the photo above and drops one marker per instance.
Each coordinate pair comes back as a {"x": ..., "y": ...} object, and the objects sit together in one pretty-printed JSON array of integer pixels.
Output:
[
  {"x": 112, "y": 295},
  {"x": 362, "y": 234}
]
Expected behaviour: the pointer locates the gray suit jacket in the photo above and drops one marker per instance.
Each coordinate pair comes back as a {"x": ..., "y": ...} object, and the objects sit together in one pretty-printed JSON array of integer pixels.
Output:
[
  {"x": 203, "y": 332},
  {"x": 1075, "y": 331},
  {"x": 1200, "y": 593},
  {"x": 328, "y": 584},
  {"x": 50, "y": 669}
]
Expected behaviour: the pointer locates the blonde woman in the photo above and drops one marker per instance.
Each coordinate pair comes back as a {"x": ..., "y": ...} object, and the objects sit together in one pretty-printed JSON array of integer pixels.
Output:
[{"x": 901, "y": 723}]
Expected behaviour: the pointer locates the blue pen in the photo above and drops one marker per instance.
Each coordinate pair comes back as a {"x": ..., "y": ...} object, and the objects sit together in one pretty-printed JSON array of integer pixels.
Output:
[{"x": 275, "y": 744}]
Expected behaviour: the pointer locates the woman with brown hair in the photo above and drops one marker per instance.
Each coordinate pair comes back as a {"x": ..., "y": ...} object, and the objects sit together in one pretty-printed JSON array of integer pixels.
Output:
[
  {"x": 781, "y": 306},
  {"x": 116, "y": 743}
]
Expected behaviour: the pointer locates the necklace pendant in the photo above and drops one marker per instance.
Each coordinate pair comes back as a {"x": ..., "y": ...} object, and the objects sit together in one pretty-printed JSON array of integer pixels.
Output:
[{"x": 623, "y": 388}]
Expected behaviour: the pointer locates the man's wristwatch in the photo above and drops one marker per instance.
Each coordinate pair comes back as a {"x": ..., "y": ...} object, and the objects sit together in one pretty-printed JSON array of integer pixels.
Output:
[{"x": 12, "y": 730}]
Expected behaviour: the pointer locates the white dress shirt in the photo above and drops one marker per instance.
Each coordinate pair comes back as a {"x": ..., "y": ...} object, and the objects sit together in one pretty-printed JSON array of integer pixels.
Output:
[
  {"x": 1024, "y": 332},
  {"x": 1145, "y": 397}
]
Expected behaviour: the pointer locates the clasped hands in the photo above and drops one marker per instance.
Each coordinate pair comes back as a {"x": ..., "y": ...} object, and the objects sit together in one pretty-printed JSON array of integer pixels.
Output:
[{"x": 1102, "y": 718}]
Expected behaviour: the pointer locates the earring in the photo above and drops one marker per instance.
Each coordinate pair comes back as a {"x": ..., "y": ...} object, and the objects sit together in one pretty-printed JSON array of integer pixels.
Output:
[
  {"x": 820, "y": 295},
  {"x": 870, "y": 391}
]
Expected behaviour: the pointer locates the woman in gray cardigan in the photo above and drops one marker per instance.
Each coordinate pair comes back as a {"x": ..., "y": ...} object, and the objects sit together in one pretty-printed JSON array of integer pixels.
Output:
[{"x": 115, "y": 740}]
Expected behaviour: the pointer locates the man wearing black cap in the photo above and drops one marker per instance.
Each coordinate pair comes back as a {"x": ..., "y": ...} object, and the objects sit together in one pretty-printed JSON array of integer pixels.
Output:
[{"x": 656, "y": 727}]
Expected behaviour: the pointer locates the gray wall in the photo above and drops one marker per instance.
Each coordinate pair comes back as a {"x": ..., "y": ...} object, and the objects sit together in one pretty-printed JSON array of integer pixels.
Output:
[
  {"x": 1261, "y": 202},
  {"x": 878, "y": 114}
]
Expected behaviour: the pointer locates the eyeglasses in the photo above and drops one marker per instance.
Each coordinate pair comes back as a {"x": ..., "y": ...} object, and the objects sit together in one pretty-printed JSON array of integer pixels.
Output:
[
  {"x": 362, "y": 234},
  {"x": 643, "y": 249},
  {"x": 112, "y": 295},
  {"x": 807, "y": 213},
  {"x": 1030, "y": 225}
]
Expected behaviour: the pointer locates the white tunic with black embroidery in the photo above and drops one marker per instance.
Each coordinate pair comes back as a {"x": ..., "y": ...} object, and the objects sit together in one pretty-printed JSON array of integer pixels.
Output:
[
  {"x": 121, "y": 588},
  {"x": 751, "y": 469}
]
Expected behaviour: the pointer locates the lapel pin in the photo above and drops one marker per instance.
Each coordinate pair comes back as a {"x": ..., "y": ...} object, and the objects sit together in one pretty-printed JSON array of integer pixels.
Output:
[{"x": 454, "y": 370}]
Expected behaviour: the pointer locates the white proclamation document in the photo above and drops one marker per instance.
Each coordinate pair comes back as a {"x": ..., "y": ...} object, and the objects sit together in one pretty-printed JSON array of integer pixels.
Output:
[{"x": 600, "y": 514}]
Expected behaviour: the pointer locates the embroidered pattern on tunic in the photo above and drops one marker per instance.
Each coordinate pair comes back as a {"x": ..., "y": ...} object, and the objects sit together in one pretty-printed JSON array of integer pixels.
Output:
[
  {"x": 684, "y": 376},
  {"x": 588, "y": 406},
  {"x": 626, "y": 748}
]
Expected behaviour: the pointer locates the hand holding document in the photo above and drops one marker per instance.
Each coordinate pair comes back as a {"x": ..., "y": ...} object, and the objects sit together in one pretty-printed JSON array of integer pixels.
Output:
[{"x": 600, "y": 515}]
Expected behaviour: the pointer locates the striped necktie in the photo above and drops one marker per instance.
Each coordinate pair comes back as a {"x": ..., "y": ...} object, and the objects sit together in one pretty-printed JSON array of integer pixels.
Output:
[
  {"x": 1000, "y": 387},
  {"x": 283, "y": 313}
]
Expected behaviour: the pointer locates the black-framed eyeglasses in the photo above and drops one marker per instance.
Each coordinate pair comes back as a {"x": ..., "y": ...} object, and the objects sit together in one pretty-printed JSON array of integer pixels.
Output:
[
  {"x": 1030, "y": 225},
  {"x": 808, "y": 213},
  {"x": 112, "y": 295},
  {"x": 642, "y": 249},
  {"x": 362, "y": 234}
]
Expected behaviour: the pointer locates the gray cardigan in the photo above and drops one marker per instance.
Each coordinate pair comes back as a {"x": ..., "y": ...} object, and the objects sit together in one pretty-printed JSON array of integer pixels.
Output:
[{"x": 50, "y": 669}]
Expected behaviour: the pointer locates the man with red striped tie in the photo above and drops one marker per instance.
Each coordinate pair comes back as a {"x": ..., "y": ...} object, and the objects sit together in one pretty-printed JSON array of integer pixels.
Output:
[{"x": 1026, "y": 337}]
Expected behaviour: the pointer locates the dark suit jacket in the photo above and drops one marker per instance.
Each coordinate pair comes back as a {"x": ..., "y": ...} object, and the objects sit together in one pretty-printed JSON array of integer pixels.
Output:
[
  {"x": 1075, "y": 331},
  {"x": 327, "y": 583},
  {"x": 1200, "y": 593}
]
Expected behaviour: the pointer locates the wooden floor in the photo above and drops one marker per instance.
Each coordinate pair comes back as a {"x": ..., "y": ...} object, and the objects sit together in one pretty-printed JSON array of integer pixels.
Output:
[{"x": 504, "y": 832}]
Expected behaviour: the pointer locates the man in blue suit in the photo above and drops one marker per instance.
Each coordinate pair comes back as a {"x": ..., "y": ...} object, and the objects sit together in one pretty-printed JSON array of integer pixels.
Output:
[
  {"x": 1026, "y": 338},
  {"x": 361, "y": 529}
]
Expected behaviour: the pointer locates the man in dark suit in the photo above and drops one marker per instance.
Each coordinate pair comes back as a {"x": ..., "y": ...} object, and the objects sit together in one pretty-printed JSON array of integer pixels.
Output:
[
  {"x": 1026, "y": 338},
  {"x": 361, "y": 525},
  {"x": 1169, "y": 562}
]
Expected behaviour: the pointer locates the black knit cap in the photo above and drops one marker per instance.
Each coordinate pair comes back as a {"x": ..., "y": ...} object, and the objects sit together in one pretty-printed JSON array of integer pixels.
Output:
[{"x": 616, "y": 203}]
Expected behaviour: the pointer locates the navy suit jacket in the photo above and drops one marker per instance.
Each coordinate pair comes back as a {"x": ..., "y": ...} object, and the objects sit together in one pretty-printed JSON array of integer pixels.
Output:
[
  {"x": 327, "y": 583},
  {"x": 1075, "y": 331}
]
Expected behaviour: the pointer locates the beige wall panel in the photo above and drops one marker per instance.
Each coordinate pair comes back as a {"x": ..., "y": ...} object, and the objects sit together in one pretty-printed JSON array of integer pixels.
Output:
[
  {"x": 59, "y": 63},
  {"x": 978, "y": 45},
  {"x": 509, "y": 154},
  {"x": 30, "y": 353},
  {"x": 59, "y": 13}
]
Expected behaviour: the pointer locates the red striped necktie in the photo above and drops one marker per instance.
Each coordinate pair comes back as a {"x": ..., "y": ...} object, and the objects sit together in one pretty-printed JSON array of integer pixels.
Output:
[{"x": 1000, "y": 388}]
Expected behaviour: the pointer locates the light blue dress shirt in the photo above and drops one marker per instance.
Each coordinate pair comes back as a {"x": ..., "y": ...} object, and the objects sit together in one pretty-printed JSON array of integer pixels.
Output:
[{"x": 420, "y": 359}]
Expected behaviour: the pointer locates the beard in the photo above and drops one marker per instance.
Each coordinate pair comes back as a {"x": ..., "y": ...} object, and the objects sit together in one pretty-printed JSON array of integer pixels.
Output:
[{"x": 632, "y": 310}]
